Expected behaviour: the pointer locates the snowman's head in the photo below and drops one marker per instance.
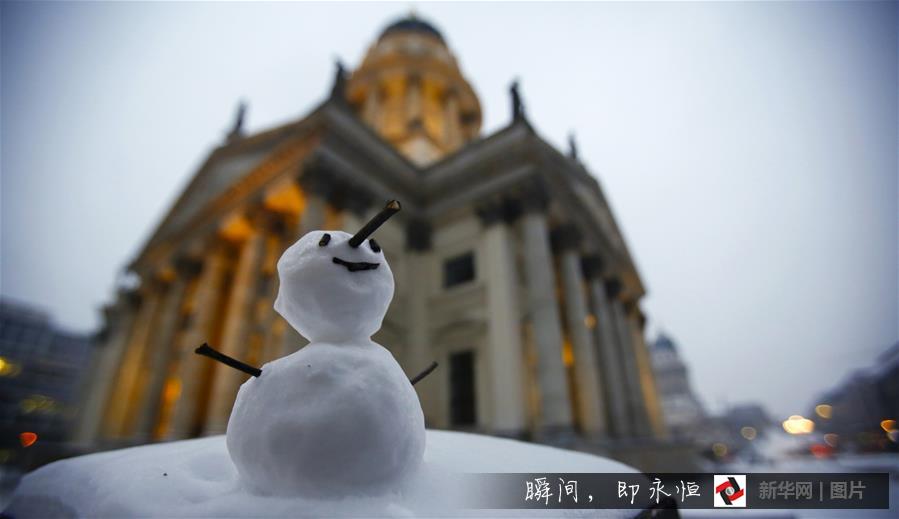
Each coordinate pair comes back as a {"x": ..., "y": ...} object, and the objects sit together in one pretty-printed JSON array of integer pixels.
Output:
[{"x": 336, "y": 287}]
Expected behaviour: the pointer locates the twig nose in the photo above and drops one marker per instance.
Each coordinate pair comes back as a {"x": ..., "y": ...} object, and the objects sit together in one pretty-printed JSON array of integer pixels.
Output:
[{"x": 376, "y": 221}]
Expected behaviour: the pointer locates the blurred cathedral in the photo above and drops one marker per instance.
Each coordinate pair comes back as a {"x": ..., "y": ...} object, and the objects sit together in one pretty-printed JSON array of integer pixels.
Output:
[
  {"x": 683, "y": 413},
  {"x": 510, "y": 268}
]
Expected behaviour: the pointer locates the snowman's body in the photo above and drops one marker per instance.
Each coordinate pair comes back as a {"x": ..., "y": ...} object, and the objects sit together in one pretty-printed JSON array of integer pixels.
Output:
[
  {"x": 338, "y": 416},
  {"x": 329, "y": 418}
]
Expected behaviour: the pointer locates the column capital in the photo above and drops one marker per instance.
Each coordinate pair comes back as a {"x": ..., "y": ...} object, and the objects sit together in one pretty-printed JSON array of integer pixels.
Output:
[
  {"x": 613, "y": 287},
  {"x": 257, "y": 214},
  {"x": 153, "y": 282},
  {"x": 128, "y": 298},
  {"x": 264, "y": 220},
  {"x": 317, "y": 179},
  {"x": 212, "y": 243},
  {"x": 592, "y": 266},
  {"x": 353, "y": 198},
  {"x": 632, "y": 308},
  {"x": 491, "y": 211},
  {"x": 533, "y": 197},
  {"x": 629, "y": 306},
  {"x": 418, "y": 235},
  {"x": 566, "y": 237},
  {"x": 110, "y": 312},
  {"x": 187, "y": 266}
]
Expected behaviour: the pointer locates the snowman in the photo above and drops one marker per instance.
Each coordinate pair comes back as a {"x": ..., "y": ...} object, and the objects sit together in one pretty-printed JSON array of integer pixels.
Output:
[{"x": 339, "y": 416}]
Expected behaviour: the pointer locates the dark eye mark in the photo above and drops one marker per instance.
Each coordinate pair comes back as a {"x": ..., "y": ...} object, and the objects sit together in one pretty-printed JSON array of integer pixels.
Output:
[
  {"x": 374, "y": 245},
  {"x": 326, "y": 238}
]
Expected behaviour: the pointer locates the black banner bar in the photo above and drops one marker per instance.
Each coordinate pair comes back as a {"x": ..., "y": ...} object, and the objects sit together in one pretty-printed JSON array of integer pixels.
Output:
[{"x": 854, "y": 491}]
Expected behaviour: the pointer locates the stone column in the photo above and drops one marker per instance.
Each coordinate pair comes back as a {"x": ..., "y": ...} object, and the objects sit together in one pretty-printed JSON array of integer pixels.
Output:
[
  {"x": 651, "y": 404},
  {"x": 420, "y": 355},
  {"x": 226, "y": 381},
  {"x": 555, "y": 404},
  {"x": 268, "y": 322},
  {"x": 120, "y": 322},
  {"x": 418, "y": 247},
  {"x": 270, "y": 325},
  {"x": 586, "y": 369},
  {"x": 608, "y": 349},
  {"x": 161, "y": 348},
  {"x": 636, "y": 410},
  {"x": 508, "y": 416},
  {"x": 191, "y": 367},
  {"x": 128, "y": 380}
]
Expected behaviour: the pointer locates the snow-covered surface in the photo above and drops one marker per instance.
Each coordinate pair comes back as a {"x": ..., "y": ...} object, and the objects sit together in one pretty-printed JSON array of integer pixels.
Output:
[
  {"x": 196, "y": 478},
  {"x": 327, "y": 420}
]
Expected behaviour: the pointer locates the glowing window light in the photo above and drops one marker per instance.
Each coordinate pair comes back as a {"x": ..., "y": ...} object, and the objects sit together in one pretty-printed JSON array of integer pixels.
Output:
[
  {"x": 824, "y": 410},
  {"x": 40, "y": 404},
  {"x": 567, "y": 354},
  {"x": 797, "y": 424},
  {"x": 27, "y": 438},
  {"x": 8, "y": 368},
  {"x": 821, "y": 451},
  {"x": 719, "y": 449}
]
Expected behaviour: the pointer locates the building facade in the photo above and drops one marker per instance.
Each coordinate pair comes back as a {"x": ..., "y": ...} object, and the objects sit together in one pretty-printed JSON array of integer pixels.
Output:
[
  {"x": 510, "y": 269},
  {"x": 863, "y": 410},
  {"x": 42, "y": 371}
]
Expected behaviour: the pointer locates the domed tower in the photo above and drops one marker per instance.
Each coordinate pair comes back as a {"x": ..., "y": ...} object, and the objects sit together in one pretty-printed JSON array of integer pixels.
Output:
[{"x": 410, "y": 90}]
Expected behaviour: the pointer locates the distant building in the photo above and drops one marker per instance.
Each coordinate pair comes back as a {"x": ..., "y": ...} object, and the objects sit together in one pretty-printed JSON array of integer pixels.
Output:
[
  {"x": 748, "y": 415},
  {"x": 681, "y": 408},
  {"x": 510, "y": 268},
  {"x": 859, "y": 406},
  {"x": 734, "y": 432},
  {"x": 41, "y": 370}
]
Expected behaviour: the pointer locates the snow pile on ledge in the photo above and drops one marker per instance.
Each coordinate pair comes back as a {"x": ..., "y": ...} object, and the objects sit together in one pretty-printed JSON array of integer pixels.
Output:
[{"x": 195, "y": 478}]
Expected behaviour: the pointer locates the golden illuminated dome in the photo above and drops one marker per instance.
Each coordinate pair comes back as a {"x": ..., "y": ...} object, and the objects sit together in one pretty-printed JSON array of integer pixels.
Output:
[{"x": 410, "y": 90}]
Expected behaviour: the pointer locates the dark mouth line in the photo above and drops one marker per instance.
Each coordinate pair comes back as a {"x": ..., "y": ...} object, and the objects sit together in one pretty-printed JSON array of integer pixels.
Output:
[{"x": 354, "y": 266}]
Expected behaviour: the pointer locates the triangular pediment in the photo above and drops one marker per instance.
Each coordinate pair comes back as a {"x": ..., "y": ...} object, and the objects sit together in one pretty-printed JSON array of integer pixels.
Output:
[{"x": 353, "y": 151}]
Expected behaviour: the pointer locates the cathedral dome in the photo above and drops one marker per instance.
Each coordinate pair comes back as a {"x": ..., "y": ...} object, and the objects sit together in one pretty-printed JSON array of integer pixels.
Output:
[
  {"x": 411, "y": 24},
  {"x": 663, "y": 342},
  {"x": 410, "y": 90}
]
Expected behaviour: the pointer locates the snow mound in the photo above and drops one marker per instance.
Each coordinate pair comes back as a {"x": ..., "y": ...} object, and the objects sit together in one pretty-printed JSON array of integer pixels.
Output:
[{"x": 196, "y": 478}]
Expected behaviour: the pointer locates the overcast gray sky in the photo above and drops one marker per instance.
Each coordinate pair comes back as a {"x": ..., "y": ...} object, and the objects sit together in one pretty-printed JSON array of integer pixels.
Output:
[{"x": 749, "y": 150}]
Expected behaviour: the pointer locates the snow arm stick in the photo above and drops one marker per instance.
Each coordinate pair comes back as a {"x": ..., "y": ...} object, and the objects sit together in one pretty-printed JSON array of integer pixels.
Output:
[
  {"x": 424, "y": 373},
  {"x": 226, "y": 360}
]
